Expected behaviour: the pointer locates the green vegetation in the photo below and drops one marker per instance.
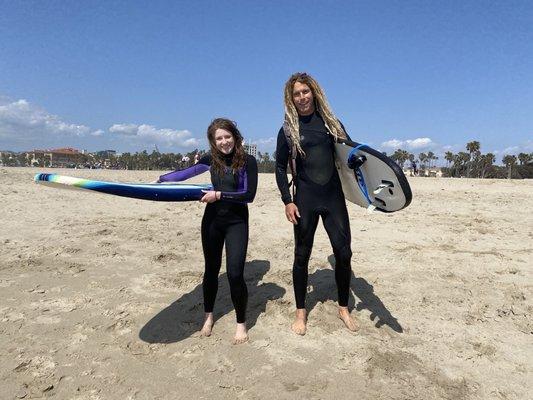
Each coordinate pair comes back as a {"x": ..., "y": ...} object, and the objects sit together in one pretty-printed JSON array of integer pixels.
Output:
[
  {"x": 266, "y": 163},
  {"x": 472, "y": 163}
]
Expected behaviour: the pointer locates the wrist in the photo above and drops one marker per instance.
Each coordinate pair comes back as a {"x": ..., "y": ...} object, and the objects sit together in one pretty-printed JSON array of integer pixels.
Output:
[
  {"x": 218, "y": 195},
  {"x": 287, "y": 200}
]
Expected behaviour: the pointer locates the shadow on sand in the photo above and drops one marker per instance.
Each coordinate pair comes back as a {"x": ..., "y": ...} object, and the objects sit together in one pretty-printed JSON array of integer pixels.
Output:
[
  {"x": 324, "y": 288},
  {"x": 183, "y": 317}
]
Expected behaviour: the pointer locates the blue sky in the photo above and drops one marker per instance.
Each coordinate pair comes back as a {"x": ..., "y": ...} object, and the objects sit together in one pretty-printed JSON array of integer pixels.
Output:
[{"x": 131, "y": 75}]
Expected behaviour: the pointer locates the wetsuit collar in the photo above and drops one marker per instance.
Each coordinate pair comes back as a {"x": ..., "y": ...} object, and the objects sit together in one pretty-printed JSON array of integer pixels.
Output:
[
  {"x": 228, "y": 158},
  {"x": 307, "y": 118}
]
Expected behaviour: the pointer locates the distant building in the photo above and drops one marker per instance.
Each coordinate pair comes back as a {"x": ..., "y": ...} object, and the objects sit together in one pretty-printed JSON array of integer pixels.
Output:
[
  {"x": 251, "y": 149},
  {"x": 63, "y": 157},
  {"x": 6, "y": 157},
  {"x": 434, "y": 172},
  {"x": 106, "y": 153}
]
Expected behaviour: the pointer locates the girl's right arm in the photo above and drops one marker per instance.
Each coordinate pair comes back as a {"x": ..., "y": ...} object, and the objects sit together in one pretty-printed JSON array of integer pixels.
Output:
[{"x": 183, "y": 174}]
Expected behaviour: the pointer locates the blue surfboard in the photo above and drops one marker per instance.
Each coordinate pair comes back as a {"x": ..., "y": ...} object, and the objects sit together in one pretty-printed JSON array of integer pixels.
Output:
[{"x": 144, "y": 191}]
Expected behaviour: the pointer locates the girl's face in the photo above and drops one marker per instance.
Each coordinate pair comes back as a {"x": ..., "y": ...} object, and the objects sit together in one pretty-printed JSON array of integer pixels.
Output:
[{"x": 224, "y": 141}]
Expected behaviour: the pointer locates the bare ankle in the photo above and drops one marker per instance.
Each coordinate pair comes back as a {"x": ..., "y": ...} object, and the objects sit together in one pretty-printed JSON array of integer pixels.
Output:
[
  {"x": 241, "y": 334},
  {"x": 207, "y": 326},
  {"x": 299, "y": 325},
  {"x": 301, "y": 313}
]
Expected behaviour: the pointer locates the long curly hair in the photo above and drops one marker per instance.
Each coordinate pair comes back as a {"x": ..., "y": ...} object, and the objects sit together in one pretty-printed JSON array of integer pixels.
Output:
[
  {"x": 321, "y": 106},
  {"x": 218, "y": 164}
]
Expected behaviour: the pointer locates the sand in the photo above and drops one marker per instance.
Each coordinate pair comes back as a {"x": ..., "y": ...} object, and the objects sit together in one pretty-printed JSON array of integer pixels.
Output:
[{"x": 101, "y": 298}]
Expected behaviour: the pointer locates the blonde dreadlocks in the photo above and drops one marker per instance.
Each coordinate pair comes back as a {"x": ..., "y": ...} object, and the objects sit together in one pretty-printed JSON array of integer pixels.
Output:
[{"x": 291, "y": 123}]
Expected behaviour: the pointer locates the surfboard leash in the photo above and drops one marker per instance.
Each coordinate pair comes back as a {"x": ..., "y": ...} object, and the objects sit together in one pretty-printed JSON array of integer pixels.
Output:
[{"x": 359, "y": 176}]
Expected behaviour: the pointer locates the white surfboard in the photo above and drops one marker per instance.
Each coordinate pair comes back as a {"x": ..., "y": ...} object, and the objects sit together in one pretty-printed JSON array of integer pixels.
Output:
[{"x": 377, "y": 183}]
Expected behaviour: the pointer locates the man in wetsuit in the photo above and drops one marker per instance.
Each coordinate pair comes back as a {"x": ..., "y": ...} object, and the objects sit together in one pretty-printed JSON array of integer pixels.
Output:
[{"x": 307, "y": 141}]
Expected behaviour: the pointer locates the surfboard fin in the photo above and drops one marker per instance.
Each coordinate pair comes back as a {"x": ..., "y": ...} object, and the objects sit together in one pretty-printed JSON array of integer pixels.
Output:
[{"x": 380, "y": 188}]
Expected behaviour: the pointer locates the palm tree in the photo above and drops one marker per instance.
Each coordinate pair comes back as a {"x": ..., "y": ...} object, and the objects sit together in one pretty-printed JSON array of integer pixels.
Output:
[
  {"x": 473, "y": 148},
  {"x": 460, "y": 162},
  {"x": 524, "y": 158},
  {"x": 431, "y": 157},
  {"x": 395, "y": 156},
  {"x": 509, "y": 160},
  {"x": 143, "y": 159},
  {"x": 448, "y": 156},
  {"x": 400, "y": 156},
  {"x": 22, "y": 160},
  {"x": 486, "y": 161},
  {"x": 423, "y": 158}
]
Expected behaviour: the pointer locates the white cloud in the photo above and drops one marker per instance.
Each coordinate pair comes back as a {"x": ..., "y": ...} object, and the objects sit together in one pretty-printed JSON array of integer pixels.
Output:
[
  {"x": 392, "y": 144},
  {"x": 191, "y": 142},
  {"x": 410, "y": 144},
  {"x": 419, "y": 143},
  {"x": 267, "y": 144},
  {"x": 150, "y": 133},
  {"x": 509, "y": 150},
  {"x": 124, "y": 129},
  {"x": 524, "y": 147},
  {"x": 23, "y": 121},
  {"x": 267, "y": 141}
]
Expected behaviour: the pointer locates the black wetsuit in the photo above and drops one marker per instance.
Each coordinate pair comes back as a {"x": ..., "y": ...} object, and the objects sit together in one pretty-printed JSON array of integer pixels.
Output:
[
  {"x": 318, "y": 193},
  {"x": 225, "y": 221}
]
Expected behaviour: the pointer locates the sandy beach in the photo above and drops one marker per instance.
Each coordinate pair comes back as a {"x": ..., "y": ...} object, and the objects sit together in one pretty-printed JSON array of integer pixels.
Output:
[{"x": 101, "y": 298}]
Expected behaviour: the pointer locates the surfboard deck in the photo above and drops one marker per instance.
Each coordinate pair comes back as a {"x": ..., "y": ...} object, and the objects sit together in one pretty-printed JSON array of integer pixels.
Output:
[
  {"x": 377, "y": 183},
  {"x": 143, "y": 191}
]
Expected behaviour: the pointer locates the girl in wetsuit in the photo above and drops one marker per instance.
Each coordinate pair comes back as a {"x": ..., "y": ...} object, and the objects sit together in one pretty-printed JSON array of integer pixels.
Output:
[
  {"x": 225, "y": 221},
  {"x": 307, "y": 140}
]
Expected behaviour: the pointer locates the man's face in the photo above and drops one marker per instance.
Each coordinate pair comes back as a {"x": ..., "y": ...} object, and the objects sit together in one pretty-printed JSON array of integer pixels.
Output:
[{"x": 302, "y": 96}]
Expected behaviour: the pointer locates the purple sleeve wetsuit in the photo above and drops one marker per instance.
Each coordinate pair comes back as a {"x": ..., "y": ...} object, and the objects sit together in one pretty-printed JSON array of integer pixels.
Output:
[
  {"x": 184, "y": 174},
  {"x": 239, "y": 188},
  {"x": 246, "y": 186}
]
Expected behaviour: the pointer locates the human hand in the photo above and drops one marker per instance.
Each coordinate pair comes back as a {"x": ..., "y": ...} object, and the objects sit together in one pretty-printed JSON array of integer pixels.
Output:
[
  {"x": 291, "y": 212},
  {"x": 210, "y": 196}
]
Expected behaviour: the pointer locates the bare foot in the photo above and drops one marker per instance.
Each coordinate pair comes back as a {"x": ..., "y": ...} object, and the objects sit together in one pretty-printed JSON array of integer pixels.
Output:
[
  {"x": 299, "y": 326},
  {"x": 348, "y": 320},
  {"x": 241, "y": 334},
  {"x": 208, "y": 325}
]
